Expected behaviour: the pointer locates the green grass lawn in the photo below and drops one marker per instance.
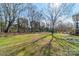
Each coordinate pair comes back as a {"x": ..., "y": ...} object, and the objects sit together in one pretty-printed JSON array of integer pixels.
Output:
[{"x": 38, "y": 44}]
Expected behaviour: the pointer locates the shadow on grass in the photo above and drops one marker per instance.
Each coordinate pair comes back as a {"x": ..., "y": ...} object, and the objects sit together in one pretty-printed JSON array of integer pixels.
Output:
[
  {"x": 26, "y": 45},
  {"x": 46, "y": 49},
  {"x": 41, "y": 50},
  {"x": 68, "y": 47}
]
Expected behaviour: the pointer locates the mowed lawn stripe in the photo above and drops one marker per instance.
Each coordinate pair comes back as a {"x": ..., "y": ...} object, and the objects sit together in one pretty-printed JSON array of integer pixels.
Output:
[{"x": 18, "y": 39}]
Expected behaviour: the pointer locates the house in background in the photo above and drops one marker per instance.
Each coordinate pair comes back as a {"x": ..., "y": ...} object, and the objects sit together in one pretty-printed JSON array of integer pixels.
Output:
[{"x": 76, "y": 22}]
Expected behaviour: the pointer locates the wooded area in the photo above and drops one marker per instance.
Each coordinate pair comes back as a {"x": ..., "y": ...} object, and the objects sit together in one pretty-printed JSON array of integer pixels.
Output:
[
  {"x": 17, "y": 17},
  {"x": 33, "y": 29}
]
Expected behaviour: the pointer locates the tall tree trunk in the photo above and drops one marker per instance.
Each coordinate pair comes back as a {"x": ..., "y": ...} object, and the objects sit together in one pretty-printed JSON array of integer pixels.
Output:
[
  {"x": 7, "y": 28},
  {"x": 1, "y": 25},
  {"x": 18, "y": 26}
]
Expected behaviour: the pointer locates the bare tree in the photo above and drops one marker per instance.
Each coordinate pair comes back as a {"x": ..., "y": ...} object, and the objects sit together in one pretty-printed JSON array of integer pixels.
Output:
[
  {"x": 54, "y": 12},
  {"x": 10, "y": 13},
  {"x": 22, "y": 24},
  {"x": 31, "y": 11},
  {"x": 34, "y": 15},
  {"x": 1, "y": 21},
  {"x": 64, "y": 27}
]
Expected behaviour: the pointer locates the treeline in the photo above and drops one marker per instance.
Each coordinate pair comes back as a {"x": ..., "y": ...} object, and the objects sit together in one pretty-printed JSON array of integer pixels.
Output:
[
  {"x": 18, "y": 17},
  {"x": 21, "y": 18}
]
